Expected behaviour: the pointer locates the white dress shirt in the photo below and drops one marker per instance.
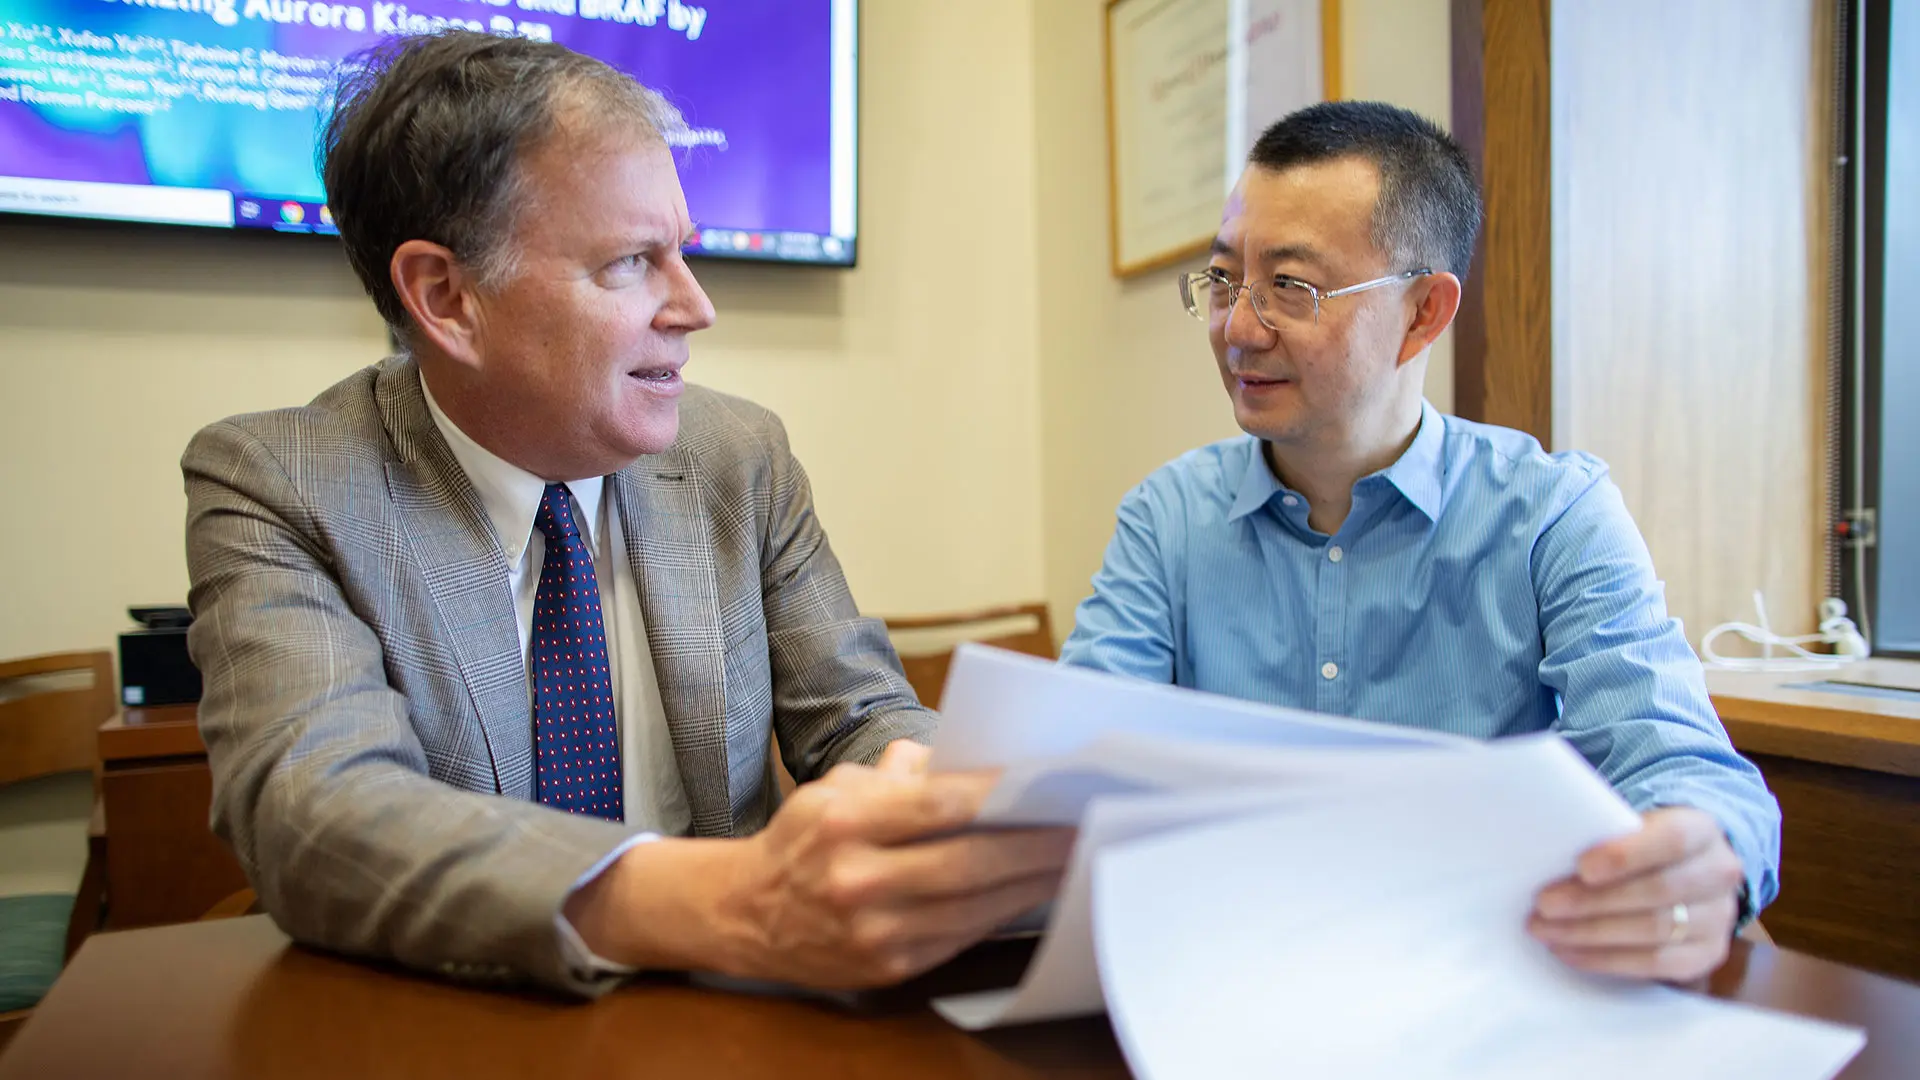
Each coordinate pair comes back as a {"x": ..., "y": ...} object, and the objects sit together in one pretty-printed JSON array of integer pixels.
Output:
[{"x": 652, "y": 795}]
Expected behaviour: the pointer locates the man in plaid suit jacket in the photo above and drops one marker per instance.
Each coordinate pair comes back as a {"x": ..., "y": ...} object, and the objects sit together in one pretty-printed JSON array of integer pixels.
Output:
[{"x": 367, "y": 708}]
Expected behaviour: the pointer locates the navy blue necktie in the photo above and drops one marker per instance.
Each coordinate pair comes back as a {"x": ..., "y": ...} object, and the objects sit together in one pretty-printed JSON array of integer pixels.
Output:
[{"x": 576, "y": 748}]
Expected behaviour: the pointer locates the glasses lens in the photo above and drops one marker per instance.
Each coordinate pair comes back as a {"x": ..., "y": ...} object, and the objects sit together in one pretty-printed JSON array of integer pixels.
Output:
[
  {"x": 1202, "y": 294},
  {"x": 1286, "y": 301}
]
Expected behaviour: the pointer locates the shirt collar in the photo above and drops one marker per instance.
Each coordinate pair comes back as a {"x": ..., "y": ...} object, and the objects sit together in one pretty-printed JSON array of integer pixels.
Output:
[
  {"x": 1258, "y": 485},
  {"x": 509, "y": 494},
  {"x": 1419, "y": 474}
]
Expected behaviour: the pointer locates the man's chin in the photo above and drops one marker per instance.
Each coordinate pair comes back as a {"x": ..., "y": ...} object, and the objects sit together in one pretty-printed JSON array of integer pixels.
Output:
[
  {"x": 657, "y": 436},
  {"x": 644, "y": 428},
  {"x": 1272, "y": 425}
]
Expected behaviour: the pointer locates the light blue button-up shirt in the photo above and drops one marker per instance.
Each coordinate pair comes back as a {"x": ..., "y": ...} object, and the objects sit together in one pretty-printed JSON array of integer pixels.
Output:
[{"x": 1479, "y": 586}]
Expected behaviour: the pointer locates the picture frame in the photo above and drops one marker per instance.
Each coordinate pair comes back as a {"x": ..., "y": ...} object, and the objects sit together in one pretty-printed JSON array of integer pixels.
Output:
[{"x": 1189, "y": 84}]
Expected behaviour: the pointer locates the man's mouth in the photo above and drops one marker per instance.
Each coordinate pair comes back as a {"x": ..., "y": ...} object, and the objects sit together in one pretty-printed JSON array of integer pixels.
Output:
[
  {"x": 663, "y": 374},
  {"x": 1253, "y": 381}
]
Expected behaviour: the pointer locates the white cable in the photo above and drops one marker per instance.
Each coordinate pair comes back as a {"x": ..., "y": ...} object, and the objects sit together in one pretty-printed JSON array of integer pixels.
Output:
[{"x": 1835, "y": 629}]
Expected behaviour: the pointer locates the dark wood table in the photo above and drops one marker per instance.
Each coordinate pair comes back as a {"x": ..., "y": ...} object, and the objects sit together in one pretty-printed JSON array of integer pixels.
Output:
[
  {"x": 164, "y": 865},
  {"x": 233, "y": 998},
  {"x": 1846, "y": 769}
]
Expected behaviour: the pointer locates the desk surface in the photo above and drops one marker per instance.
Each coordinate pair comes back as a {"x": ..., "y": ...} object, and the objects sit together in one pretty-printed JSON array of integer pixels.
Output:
[
  {"x": 163, "y": 731},
  {"x": 233, "y": 999},
  {"x": 1775, "y": 714}
]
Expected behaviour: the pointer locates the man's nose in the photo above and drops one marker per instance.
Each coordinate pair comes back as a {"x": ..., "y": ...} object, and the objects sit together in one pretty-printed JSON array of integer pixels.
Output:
[
  {"x": 687, "y": 308},
  {"x": 1244, "y": 328}
]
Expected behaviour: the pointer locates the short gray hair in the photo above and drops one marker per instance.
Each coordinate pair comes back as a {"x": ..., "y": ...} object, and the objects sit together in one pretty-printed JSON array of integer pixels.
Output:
[{"x": 427, "y": 135}]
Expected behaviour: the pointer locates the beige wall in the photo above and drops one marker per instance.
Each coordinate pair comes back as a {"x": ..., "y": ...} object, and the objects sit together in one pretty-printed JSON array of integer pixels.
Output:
[
  {"x": 910, "y": 384},
  {"x": 115, "y": 346},
  {"x": 1127, "y": 381}
]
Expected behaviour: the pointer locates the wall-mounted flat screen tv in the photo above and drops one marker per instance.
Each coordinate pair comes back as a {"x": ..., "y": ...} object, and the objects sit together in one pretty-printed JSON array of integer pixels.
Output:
[{"x": 205, "y": 112}]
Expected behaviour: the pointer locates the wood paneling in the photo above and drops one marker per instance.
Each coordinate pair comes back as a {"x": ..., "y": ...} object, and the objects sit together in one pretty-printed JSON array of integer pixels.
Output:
[
  {"x": 1689, "y": 197},
  {"x": 1850, "y": 864},
  {"x": 1503, "y": 351},
  {"x": 164, "y": 864}
]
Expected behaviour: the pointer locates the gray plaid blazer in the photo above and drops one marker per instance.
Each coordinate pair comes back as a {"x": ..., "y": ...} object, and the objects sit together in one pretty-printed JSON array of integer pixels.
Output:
[{"x": 367, "y": 711}]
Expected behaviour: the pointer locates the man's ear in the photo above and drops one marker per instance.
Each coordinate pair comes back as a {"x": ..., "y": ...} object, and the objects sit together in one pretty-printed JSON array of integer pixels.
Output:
[
  {"x": 1432, "y": 315},
  {"x": 440, "y": 295}
]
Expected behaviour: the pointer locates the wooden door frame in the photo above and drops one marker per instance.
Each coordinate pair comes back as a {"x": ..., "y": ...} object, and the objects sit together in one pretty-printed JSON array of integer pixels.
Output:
[{"x": 1502, "y": 116}]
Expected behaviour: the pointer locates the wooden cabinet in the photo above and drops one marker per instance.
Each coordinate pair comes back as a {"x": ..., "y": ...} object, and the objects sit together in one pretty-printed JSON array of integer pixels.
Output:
[
  {"x": 164, "y": 865},
  {"x": 1846, "y": 768}
]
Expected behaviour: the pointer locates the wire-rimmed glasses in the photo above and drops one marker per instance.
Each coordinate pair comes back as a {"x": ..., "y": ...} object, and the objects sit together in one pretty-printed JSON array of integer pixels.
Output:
[{"x": 1280, "y": 303}]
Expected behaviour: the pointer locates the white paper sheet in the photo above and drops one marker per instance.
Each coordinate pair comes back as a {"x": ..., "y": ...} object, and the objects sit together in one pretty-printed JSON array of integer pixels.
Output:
[
  {"x": 1001, "y": 708},
  {"x": 1127, "y": 744},
  {"x": 1057, "y": 790},
  {"x": 1381, "y": 934},
  {"x": 1062, "y": 980}
]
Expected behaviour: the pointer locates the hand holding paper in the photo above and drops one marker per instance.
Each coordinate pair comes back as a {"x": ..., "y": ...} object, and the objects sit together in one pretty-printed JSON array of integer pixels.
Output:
[
  {"x": 1659, "y": 903},
  {"x": 863, "y": 878}
]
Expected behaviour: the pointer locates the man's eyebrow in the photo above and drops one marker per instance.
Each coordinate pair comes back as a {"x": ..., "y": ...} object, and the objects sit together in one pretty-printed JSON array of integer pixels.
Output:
[
  {"x": 1300, "y": 253},
  {"x": 1293, "y": 253},
  {"x": 648, "y": 241}
]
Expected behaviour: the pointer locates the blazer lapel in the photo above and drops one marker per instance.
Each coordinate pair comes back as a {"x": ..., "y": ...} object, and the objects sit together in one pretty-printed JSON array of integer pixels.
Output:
[
  {"x": 673, "y": 565},
  {"x": 466, "y": 574}
]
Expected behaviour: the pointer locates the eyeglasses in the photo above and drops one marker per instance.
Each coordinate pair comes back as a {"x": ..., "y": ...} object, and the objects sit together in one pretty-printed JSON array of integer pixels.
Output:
[{"x": 1280, "y": 303}]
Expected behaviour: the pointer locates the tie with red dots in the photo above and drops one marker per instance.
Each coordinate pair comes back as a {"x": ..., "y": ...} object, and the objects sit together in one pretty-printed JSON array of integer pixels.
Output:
[{"x": 576, "y": 747}]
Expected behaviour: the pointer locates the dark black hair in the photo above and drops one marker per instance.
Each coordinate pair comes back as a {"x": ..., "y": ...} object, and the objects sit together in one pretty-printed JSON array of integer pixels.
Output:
[
  {"x": 1429, "y": 208},
  {"x": 425, "y": 138}
]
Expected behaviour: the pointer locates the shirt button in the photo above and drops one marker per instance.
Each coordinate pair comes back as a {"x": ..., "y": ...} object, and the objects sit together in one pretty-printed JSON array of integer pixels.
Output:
[
  {"x": 1329, "y": 670},
  {"x": 1288, "y": 500},
  {"x": 1334, "y": 554}
]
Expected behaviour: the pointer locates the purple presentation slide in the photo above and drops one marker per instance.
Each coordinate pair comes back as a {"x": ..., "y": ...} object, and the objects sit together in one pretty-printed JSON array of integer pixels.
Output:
[{"x": 205, "y": 112}]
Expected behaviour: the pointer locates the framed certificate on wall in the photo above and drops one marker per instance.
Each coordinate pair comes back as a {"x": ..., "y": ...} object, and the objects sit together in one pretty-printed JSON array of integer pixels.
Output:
[{"x": 1190, "y": 84}]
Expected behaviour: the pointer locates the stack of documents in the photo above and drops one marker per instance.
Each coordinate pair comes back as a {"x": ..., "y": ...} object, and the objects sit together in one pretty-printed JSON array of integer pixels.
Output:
[{"x": 1266, "y": 892}]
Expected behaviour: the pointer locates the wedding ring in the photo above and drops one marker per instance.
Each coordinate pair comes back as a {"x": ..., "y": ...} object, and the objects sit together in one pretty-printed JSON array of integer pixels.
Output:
[{"x": 1681, "y": 918}]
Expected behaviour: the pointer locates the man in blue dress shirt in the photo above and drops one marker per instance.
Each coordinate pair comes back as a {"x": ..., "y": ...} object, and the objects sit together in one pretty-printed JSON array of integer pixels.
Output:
[{"x": 1358, "y": 553}]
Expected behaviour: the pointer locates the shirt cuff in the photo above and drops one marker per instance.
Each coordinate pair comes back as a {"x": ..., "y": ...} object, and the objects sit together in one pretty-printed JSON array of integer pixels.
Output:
[{"x": 582, "y": 961}]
